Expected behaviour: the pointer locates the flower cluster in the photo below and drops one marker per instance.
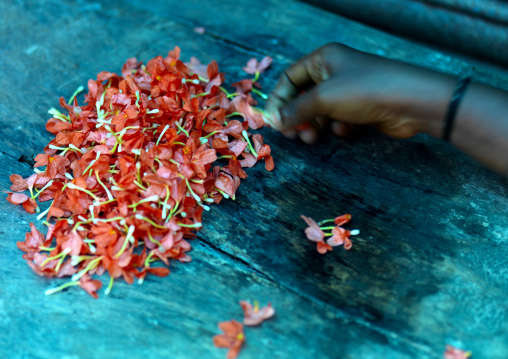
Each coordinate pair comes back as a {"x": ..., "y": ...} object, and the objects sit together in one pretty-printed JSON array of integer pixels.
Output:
[
  {"x": 130, "y": 172},
  {"x": 234, "y": 337},
  {"x": 338, "y": 236}
]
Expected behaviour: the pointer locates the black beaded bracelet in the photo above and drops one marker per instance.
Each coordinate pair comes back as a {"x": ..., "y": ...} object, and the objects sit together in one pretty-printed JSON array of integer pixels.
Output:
[{"x": 458, "y": 94}]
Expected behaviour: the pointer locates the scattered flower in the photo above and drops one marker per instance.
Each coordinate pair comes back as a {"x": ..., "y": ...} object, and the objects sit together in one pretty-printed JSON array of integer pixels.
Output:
[
  {"x": 199, "y": 30},
  {"x": 455, "y": 353},
  {"x": 315, "y": 234},
  {"x": 338, "y": 236},
  {"x": 91, "y": 286},
  {"x": 255, "y": 67},
  {"x": 255, "y": 315},
  {"x": 232, "y": 338}
]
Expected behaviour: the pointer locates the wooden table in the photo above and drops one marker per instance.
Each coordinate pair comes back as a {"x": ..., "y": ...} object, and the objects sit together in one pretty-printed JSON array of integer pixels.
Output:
[{"x": 429, "y": 268}]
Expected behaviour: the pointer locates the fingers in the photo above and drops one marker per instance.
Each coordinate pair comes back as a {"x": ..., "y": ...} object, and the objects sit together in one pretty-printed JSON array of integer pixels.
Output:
[
  {"x": 342, "y": 129},
  {"x": 305, "y": 73},
  {"x": 290, "y": 133},
  {"x": 283, "y": 92},
  {"x": 311, "y": 133},
  {"x": 304, "y": 108}
]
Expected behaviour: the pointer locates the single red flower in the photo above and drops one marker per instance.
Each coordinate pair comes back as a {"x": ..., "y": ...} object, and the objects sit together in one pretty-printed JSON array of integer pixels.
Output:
[
  {"x": 255, "y": 315},
  {"x": 130, "y": 65},
  {"x": 249, "y": 160},
  {"x": 315, "y": 234},
  {"x": 243, "y": 86},
  {"x": 55, "y": 164},
  {"x": 340, "y": 220},
  {"x": 340, "y": 236},
  {"x": 228, "y": 184},
  {"x": 18, "y": 183},
  {"x": 73, "y": 243},
  {"x": 237, "y": 147},
  {"x": 90, "y": 285},
  {"x": 253, "y": 117},
  {"x": 198, "y": 68},
  {"x": 199, "y": 30},
  {"x": 313, "y": 231},
  {"x": 201, "y": 157},
  {"x": 233, "y": 338},
  {"x": 47, "y": 266},
  {"x": 455, "y": 353},
  {"x": 263, "y": 151},
  {"x": 33, "y": 240},
  {"x": 28, "y": 203},
  {"x": 253, "y": 66},
  {"x": 104, "y": 234}
]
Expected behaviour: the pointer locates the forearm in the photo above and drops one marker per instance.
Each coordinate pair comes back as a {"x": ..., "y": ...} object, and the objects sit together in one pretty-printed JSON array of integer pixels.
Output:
[{"x": 480, "y": 128}]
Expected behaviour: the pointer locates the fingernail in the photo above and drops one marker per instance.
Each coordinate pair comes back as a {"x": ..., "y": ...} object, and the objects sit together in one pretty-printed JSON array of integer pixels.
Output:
[
  {"x": 308, "y": 136},
  {"x": 289, "y": 133},
  {"x": 276, "y": 120},
  {"x": 340, "y": 129}
]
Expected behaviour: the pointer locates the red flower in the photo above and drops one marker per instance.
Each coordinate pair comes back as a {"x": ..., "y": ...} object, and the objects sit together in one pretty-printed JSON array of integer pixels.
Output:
[
  {"x": 90, "y": 286},
  {"x": 18, "y": 183},
  {"x": 130, "y": 65},
  {"x": 254, "y": 118},
  {"x": 28, "y": 203},
  {"x": 201, "y": 157},
  {"x": 232, "y": 338},
  {"x": 315, "y": 234},
  {"x": 199, "y": 30},
  {"x": 243, "y": 87},
  {"x": 54, "y": 266},
  {"x": 163, "y": 78},
  {"x": 254, "y": 315},
  {"x": 196, "y": 67},
  {"x": 33, "y": 240},
  {"x": 73, "y": 243},
  {"x": 55, "y": 164},
  {"x": 228, "y": 184},
  {"x": 263, "y": 151},
  {"x": 340, "y": 236},
  {"x": 340, "y": 220},
  {"x": 105, "y": 234},
  {"x": 253, "y": 66},
  {"x": 455, "y": 353}
]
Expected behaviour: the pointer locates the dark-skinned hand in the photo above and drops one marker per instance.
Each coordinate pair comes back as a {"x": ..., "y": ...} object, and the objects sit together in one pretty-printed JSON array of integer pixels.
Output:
[{"x": 341, "y": 87}]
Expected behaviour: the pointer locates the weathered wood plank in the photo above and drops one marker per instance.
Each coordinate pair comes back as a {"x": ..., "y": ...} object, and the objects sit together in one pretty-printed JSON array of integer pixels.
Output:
[
  {"x": 424, "y": 251},
  {"x": 291, "y": 29},
  {"x": 173, "y": 317},
  {"x": 429, "y": 267}
]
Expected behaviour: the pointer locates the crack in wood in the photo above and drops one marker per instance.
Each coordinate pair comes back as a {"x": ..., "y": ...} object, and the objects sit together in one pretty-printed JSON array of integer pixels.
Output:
[
  {"x": 230, "y": 258},
  {"x": 248, "y": 268},
  {"x": 23, "y": 159}
]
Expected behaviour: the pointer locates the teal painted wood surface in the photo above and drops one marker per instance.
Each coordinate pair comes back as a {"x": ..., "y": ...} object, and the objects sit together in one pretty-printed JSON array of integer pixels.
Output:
[{"x": 430, "y": 265}]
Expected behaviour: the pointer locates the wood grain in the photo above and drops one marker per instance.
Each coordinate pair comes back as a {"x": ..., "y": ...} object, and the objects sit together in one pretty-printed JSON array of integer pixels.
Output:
[{"x": 429, "y": 267}]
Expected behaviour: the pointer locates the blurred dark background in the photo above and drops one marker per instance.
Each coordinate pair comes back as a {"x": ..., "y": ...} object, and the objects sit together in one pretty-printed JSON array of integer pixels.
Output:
[{"x": 474, "y": 27}]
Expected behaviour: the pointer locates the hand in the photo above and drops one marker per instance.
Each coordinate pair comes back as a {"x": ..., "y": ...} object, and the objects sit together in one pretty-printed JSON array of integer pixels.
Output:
[{"x": 347, "y": 87}]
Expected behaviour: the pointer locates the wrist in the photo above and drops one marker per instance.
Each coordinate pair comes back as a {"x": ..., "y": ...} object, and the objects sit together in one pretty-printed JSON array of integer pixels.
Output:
[{"x": 431, "y": 104}]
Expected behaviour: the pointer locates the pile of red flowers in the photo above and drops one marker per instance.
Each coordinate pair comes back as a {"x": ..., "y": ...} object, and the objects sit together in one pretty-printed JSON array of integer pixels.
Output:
[{"x": 130, "y": 172}]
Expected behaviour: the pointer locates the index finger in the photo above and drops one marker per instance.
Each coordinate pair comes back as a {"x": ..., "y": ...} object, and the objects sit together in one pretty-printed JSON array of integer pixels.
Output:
[{"x": 303, "y": 74}]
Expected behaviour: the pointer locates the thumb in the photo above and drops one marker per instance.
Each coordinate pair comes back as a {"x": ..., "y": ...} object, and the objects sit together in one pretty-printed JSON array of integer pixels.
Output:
[{"x": 303, "y": 108}]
